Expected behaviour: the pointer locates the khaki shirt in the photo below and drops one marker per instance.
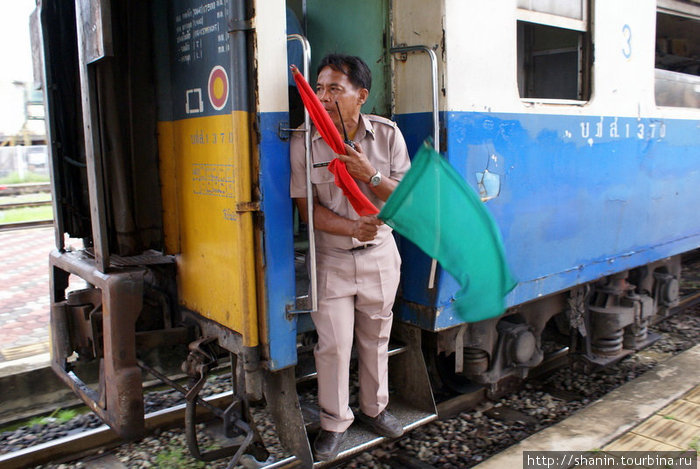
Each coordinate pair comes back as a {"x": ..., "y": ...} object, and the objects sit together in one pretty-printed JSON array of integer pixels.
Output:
[{"x": 383, "y": 145}]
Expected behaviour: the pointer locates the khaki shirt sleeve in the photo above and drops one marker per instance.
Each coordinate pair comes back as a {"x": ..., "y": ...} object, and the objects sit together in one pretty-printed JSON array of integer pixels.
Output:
[{"x": 297, "y": 185}]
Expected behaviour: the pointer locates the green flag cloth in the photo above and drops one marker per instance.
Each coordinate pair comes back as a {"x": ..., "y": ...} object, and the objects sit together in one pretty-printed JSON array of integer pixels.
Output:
[{"x": 435, "y": 209}]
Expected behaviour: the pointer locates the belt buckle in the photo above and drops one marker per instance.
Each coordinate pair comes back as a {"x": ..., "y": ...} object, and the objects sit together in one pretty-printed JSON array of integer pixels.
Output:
[{"x": 361, "y": 247}]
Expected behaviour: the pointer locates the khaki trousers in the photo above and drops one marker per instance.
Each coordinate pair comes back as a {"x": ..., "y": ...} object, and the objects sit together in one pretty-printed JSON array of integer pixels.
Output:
[{"x": 356, "y": 294}]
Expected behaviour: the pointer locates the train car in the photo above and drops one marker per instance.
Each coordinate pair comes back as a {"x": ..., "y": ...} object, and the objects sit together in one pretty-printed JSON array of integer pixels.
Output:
[{"x": 169, "y": 121}]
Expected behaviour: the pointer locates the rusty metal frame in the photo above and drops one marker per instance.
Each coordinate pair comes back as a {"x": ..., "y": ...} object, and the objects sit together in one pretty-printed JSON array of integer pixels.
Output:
[
  {"x": 94, "y": 44},
  {"x": 119, "y": 399},
  {"x": 283, "y": 404},
  {"x": 233, "y": 342}
]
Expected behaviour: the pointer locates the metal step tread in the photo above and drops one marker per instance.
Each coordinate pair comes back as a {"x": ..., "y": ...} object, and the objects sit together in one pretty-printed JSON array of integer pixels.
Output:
[{"x": 359, "y": 438}]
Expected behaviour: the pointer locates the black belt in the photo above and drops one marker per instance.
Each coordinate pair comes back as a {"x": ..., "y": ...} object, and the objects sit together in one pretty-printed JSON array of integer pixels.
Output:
[{"x": 364, "y": 246}]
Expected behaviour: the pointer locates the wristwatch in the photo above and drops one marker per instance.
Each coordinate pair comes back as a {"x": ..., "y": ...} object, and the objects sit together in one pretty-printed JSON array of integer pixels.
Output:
[{"x": 376, "y": 179}]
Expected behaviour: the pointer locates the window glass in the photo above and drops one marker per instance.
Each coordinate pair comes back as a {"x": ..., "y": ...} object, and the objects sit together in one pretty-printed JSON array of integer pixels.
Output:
[
  {"x": 677, "y": 77},
  {"x": 551, "y": 62}
]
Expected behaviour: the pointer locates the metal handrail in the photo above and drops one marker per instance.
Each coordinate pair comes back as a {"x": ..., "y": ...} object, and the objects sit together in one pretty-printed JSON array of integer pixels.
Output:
[
  {"x": 434, "y": 79},
  {"x": 436, "y": 117},
  {"x": 313, "y": 294}
]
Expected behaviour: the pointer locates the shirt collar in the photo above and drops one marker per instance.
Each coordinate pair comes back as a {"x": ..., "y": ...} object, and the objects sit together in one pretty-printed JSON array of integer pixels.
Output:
[{"x": 365, "y": 128}]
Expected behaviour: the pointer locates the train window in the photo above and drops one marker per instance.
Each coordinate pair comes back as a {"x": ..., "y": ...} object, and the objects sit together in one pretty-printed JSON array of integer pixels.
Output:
[
  {"x": 677, "y": 74},
  {"x": 553, "y": 50}
]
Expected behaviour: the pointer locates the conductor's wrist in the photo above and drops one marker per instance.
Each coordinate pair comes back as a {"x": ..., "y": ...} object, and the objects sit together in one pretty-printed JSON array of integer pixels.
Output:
[{"x": 369, "y": 174}]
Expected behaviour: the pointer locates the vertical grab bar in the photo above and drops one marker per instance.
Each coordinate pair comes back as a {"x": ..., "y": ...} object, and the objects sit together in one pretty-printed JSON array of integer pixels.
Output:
[
  {"x": 436, "y": 117},
  {"x": 306, "y": 47}
]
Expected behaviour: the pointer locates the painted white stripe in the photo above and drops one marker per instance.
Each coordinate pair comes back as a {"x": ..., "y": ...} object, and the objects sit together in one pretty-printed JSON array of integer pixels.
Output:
[
  {"x": 481, "y": 39},
  {"x": 416, "y": 23},
  {"x": 271, "y": 55}
]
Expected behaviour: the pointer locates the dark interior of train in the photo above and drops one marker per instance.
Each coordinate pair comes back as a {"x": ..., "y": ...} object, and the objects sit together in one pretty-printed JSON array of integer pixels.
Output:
[
  {"x": 310, "y": 19},
  {"x": 677, "y": 61},
  {"x": 677, "y": 44},
  {"x": 552, "y": 62}
]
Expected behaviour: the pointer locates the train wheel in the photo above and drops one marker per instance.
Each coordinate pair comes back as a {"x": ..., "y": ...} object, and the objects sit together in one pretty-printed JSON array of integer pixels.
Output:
[{"x": 441, "y": 368}]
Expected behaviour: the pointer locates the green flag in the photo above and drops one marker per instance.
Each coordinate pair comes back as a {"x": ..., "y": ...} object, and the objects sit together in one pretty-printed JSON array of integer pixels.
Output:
[{"x": 435, "y": 209}]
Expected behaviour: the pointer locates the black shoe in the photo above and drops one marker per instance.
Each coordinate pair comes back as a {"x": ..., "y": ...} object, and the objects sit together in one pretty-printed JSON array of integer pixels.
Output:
[
  {"x": 383, "y": 424},
  {"x": 327, "y": 444}
]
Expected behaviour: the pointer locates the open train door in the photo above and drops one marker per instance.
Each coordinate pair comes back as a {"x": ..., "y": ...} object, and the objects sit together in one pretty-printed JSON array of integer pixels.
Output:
[{"x": 327, "y": 27}]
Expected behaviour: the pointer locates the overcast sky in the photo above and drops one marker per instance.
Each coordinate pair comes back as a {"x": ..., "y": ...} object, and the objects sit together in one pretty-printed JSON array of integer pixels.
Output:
[
  {"x": 15, "y": 48},
  {"x": 16, "y": 56}
]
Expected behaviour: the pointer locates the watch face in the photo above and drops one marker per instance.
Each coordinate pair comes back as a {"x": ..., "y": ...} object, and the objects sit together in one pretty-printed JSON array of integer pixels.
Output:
[{"x": 376, "y": 179}]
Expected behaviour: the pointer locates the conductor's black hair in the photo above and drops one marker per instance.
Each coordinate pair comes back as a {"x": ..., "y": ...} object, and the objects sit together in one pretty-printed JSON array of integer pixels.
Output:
[{"x": 353, "y": 67}]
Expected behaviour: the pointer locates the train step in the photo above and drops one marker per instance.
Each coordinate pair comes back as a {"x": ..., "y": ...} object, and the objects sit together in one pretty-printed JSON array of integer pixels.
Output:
[
  {"x": 410, "y": 401},
  {"x": 297, "y": 414},
  {"x": 359, "y": 437}
]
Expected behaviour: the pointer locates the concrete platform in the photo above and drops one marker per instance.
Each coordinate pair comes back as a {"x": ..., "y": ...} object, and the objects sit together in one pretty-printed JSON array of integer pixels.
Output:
[
  {"x": 24, "y": 292},
  {"x": 25, "y": 297},
  {"x": 658, "y": 411}
]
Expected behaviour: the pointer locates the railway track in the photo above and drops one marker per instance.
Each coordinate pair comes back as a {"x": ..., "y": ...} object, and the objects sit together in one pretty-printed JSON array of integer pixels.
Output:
[
  {"x": 8, "y": 194},
  {"x": 16, "y": 205},
  {"x": 26, "y": 188},
  {"x": 100, "y": 438},
  {"x": 25, "y": 225},
  {"x": 103, "y": 438}
]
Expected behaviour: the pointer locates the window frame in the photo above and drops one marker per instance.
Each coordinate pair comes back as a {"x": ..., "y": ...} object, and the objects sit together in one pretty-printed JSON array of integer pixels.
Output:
[
  {"x": 585, "y": 52},
  {"x": 673, "y": 8}
]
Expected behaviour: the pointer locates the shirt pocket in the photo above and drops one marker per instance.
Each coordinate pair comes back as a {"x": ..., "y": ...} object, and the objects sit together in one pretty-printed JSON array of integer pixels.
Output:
[{"x": 322, "y": 181}]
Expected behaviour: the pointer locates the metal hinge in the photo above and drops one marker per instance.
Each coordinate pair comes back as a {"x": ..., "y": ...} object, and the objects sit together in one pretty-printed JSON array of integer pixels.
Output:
[
  {"x": 283, "y": 130},
  {"x": 240, "y": 25},
  {"x": 247, "y": 207}
]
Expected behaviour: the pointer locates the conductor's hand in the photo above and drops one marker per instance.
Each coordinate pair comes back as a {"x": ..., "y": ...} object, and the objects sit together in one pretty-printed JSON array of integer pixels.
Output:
[
  {"x": 357, "y": 163},
  {"x": 365, "y": 228}
]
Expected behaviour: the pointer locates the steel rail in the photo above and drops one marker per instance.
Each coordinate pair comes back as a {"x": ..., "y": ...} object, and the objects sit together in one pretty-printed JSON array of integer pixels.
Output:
[
  {"x": 686, "y": 302},
  {"x": 16, "y": 205},
  {"x": 101, "y": 437},
  {"x": 26, "y": 188},
  {"x": 23, "y": 225}
]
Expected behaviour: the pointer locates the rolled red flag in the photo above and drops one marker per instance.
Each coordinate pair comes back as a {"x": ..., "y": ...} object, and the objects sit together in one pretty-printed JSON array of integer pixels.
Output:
[{"x": 325, "y": 126}]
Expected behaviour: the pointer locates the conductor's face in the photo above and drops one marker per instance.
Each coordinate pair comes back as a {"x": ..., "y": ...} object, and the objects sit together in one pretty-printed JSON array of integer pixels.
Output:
[{"x": 333, "y": 86}]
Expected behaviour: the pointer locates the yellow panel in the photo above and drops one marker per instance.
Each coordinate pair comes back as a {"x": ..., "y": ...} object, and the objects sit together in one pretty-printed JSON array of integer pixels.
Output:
[
  {"x": 168, "y": 184},
  {"x": 206, "y": 178}
]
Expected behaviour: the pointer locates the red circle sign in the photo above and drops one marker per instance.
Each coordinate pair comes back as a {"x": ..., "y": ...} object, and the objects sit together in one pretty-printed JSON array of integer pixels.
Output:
[{"x": 218, "y": 87}]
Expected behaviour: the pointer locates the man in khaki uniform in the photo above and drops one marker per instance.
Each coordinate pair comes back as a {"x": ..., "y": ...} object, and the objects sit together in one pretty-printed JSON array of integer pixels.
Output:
[{"x": 357, "y": 259}]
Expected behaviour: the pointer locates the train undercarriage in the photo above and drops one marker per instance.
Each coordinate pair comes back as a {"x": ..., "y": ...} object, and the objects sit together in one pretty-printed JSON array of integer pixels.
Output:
[
  {"x": 121, "y": 318},
  {"x": 599, "y": 322}
]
